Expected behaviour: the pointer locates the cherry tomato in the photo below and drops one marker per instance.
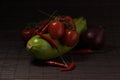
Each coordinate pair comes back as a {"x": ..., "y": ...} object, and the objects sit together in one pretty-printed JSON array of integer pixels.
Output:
[
  {"x": 68, "y": 21},
  {"x": 28, "y": 33},
  {"x": 56, "y": 29},
  {"x": 70, "y": 38},
  {"x": 33, "y": 31}
]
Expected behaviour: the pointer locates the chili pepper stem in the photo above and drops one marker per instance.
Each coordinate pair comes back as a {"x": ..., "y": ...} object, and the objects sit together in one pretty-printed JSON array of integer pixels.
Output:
[
  {"x": 56, "y": 18},
  {"x": 45, "y": 27},
  {"x": 45, "y": 13},
  {"x": 64, "y": 61},
  {"x": 61, "y": 57},
  {"x": 70, "y": 66}
]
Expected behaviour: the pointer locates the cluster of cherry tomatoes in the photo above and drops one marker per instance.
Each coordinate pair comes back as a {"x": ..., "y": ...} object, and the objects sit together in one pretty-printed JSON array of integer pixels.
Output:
[{"x": 59, "y": 27}]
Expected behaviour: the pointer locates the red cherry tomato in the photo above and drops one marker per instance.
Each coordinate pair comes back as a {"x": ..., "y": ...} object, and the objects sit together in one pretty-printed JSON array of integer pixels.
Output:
[
  {"x": 28, "y": 33},
  {"x": 56, "y": 29},
  {"x": 33, "y": 31},
  {"x": 70, "y": 38},
  {"x": 69, "y": 22}
]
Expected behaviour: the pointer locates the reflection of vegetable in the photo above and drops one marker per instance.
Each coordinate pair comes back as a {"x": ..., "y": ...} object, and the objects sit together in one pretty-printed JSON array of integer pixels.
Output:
[
  {"x": 94, "y": 37},
  {"x": 41, "y": 49}
]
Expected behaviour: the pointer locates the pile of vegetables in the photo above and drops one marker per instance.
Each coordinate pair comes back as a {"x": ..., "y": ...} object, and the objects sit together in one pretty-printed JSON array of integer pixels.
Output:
[{"x": 58, "y": 35}]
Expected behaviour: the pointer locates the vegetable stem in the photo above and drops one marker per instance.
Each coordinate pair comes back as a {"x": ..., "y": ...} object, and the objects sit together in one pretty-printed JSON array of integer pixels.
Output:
[
  {"x": 64, "y": 61},
  {"x": 70, "y": 67}
]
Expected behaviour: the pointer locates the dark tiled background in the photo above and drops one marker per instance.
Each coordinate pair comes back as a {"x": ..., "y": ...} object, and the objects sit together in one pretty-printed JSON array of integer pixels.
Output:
[{"x": 15, "y": 64}]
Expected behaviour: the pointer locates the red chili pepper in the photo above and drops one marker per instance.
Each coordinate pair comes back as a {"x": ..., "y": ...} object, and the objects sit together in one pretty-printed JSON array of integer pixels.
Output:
[
  {"x": 70, "y": 67},
  {"x": 42, "y": 26},
  {"x": 81, "y": 51},
  {"x": 49, "y": 39},
  {"x": 54, "y": 63},
  {"x": 44, "y": 29}
]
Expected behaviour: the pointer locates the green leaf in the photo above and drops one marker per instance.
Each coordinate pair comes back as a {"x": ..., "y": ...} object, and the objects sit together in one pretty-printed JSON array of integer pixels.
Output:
[{"x": 81, "y": 24}]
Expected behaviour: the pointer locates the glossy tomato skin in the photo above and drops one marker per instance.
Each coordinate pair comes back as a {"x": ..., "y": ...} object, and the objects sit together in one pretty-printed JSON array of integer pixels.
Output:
[
  {"x": 28, "y": 33},
  {"x": 70, "y": 38},
  {"x": 56, "y": 29},
  {"x": 71, "y": 22}
]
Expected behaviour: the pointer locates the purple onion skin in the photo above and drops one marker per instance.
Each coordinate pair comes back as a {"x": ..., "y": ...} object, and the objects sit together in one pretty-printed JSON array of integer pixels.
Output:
[{"x": 94, "y": 37}]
